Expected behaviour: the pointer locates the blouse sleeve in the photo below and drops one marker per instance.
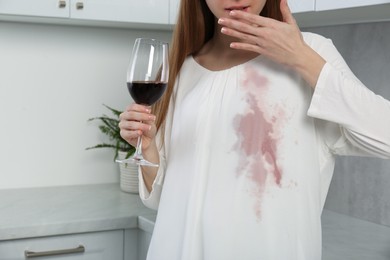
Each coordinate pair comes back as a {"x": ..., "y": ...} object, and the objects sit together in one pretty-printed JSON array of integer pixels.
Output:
[
  {"x": 352, "y": 119},
  {"x": 152, "y": 199}
]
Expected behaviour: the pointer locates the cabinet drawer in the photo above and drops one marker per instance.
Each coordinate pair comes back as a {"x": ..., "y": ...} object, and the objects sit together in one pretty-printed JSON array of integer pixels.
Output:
[{"x": 98, "y": 246}]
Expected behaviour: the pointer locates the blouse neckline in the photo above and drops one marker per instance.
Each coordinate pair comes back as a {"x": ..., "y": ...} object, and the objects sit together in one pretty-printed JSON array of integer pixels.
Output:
[{"x": 192, "y": 59}]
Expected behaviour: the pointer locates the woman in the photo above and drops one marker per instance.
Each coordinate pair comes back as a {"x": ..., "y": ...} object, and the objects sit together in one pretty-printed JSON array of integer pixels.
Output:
[{"x": 253, "y": 117}]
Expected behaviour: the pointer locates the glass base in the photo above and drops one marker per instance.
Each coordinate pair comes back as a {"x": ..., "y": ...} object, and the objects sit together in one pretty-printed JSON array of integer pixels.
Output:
[{"x": 138, "y": 160}]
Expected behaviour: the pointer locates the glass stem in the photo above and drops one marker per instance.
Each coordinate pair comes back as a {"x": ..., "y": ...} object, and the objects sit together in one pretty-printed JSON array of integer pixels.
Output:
[{"x": 138, "y": 149}]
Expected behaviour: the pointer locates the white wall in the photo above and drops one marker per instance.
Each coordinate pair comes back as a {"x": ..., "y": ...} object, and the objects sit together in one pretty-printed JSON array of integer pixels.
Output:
[{"x": 52, "y": 79}]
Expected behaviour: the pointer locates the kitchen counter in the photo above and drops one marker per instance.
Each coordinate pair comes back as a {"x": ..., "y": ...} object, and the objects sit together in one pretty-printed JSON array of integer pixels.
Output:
[
  {"x": 38, "y": 212},
  {"x": 347, "y": 238}
]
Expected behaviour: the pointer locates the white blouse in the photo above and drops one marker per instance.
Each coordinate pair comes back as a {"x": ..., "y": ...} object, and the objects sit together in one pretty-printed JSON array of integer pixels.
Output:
[{"x": 249, "y": 155}]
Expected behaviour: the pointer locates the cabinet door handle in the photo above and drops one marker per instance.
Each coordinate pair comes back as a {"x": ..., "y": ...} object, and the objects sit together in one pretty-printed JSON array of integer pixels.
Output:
[
  {"x": 62, "y": 4},
  {"x": 31, "y": 254},
  {"x": 79, "y": 5}
]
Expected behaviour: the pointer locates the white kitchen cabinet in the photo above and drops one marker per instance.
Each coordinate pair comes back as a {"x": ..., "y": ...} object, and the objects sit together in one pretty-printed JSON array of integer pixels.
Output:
[
  {"x": 97, "y": 245},
  {"x": 115, "y": 13},
  {"x": 300, "y": 6},
  {"x": 162, "y": 14},
  {"x": 100, "y": 217},
  {"x": 144, "y": 239},
  {"x": 42, "y": 8},
  {"x": 131, "y": 244},
  {"x": 128, "y": 11},
  {"x": 322, "y": 5},
  {"x": 122, "y": 244},
  {"x": 336, "y": 12}
]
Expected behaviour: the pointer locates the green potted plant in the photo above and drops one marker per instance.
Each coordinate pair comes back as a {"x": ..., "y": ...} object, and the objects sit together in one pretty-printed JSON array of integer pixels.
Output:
[{"x": 109, "y": 126}]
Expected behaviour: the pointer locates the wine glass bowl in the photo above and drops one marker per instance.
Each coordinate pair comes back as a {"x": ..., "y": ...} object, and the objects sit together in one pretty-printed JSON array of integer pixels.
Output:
[
  {"x": 146, "y": 93},
  {"x": 147, "y": 78}
]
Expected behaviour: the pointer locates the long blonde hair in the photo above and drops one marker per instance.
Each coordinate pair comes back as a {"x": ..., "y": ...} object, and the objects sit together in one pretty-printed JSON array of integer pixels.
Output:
[{"x": 194, "y": 27}]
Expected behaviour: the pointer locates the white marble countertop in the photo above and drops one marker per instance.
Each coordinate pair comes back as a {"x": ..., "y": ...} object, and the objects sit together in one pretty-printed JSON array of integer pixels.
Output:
[
  {"x": 347, "y": 238},
  {"x": 37, "y": 212}
]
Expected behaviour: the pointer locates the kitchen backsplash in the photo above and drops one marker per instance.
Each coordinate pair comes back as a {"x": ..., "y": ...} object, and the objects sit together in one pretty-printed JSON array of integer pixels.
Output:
[{"x": 52, "y": 79}]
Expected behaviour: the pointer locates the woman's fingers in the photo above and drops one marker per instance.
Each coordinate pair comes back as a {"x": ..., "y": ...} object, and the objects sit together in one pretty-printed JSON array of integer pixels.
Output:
[
  {"x": 138, "y": 108},
  {"x": 286, "y": 12},
  {"x": 134, "y": 125},
  {"x": 239, "y": 29},
  {"x": 281, "y": 41},
  {"x": 137, "y": 114},
  {"x": 252, "y": 36},
  {"x": 130, "y": 135},
  {"x": 251, "y": 19},
  {"x": 132, "y": 116},
  {"x": 136, "y": 121}
]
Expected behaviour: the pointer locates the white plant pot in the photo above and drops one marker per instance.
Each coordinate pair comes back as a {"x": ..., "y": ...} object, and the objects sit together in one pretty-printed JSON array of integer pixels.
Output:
[{"x": 128, "y": 175}]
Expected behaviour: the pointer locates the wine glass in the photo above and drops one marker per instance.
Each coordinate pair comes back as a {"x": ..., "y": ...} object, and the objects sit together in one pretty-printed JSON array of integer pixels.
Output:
[{"x": 147, "y": 78}]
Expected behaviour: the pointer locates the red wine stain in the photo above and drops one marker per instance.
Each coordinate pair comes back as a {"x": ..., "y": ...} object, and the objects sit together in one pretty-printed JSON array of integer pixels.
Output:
[{"x": 258, "y": 132}]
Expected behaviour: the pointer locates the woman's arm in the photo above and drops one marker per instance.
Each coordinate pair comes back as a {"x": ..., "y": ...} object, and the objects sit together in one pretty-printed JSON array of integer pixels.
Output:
[
  {"x": 149, "y": 173},
  {"x": 363, "y": 118},
  {"x": 136, "y": 121}
]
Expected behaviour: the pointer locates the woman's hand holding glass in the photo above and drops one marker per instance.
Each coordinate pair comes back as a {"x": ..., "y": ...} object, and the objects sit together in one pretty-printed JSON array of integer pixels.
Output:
[
  {"x": 137, "y": 121},
  {"x": 147, "y": 78}
]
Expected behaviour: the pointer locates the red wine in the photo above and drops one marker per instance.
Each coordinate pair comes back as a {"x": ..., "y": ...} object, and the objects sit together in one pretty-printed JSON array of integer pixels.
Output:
[{"x": 146, "y": 92}]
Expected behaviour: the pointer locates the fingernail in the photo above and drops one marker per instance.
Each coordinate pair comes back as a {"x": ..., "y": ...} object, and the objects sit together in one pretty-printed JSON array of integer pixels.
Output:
[
  {"x": 220, "y": 20},
  {"x": 223, "y": 29},
  {"x": 152, "y": 117},
  {"x": 232, "y": 13}
]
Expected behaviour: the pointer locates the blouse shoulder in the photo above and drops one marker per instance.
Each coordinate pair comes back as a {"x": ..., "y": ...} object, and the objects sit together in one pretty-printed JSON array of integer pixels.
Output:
[{"x": 316, "y": 41}]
